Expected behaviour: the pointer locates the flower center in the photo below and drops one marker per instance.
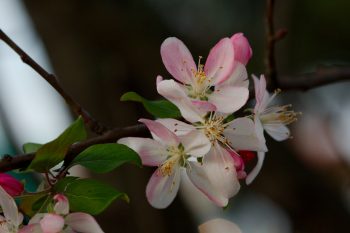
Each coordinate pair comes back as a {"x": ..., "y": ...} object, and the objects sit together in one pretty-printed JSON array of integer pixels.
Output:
[
  {"x": 176, "y": 155},
  {"x": 201, "y": 84},
  {"x": 279, "y": 115},
  {"x": 214, "y": 128}
]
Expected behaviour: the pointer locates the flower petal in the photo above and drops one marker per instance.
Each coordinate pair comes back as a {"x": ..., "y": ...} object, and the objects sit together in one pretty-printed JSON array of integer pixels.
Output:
[
  {"x": 175, "y": 94},
  {"x": 196, "y": 143},
  {"x": 238, "y": 77},
  {"x": 251, "y": 176},
  {"x": 151, "y": 152},
  {"x": 62, "y": 204},
  {"x": 161, "y": 190},
  {"x": 219, "y": 225},
  {"x": 204, "y": 106},
  {"x": 228, "y": 99},
  {"x": 243, "y": 134},
  {"x": 243, "y": 51},
  {"x": 162, "y": 134},
  {"x": 216, "y": 177},
  {"x": 9, "y": 208},
  {"x": 178, "y": 60},
  {"x": 262, "y": 96},
  {"x": 279, "y": 132},
  {"x": 220, "y": 61},
  {"x": 178, "y": 127},
  {"x": 52, "y": 223},
  {"x": 82, "y": 222},
  {"x": 32, "y": 228}
]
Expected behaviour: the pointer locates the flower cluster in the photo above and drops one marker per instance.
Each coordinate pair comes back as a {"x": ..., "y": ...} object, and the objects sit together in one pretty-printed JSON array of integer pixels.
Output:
[
  {"x": 211, "y": 144},
  {"x": 57, "y": 221}
]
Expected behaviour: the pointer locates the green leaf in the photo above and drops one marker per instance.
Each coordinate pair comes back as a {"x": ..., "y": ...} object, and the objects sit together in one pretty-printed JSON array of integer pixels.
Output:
[
  {"x": 88, "y": 195},
  {"x": 31, "y": 147},
  {"x": 54, "y": 152},
  {"x": 106, "y": 157},
  {"x": 158, "y": 108},
  {"x": 27, "y": 202}
]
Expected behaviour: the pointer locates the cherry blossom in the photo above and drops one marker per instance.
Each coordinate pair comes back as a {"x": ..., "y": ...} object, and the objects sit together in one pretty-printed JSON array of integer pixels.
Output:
[{"x": 222, "y": 81}]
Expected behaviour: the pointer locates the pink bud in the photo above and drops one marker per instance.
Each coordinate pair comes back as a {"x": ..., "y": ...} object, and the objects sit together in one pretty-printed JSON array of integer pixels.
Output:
[
  {"x": 62, "y": 204},
  {"x": 243, "y": 51},
  {"x": 239, "y": 164},
  {"x": 12, "y": 186}
]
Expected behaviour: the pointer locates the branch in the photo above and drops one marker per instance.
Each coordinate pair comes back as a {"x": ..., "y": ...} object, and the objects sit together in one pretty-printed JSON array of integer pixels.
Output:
[
  {"x": 322, "y": 76},
  {"x": 93, "y": 124},
  {"x": 8, "y": 163},
  {"x": 271, "y": 38}
]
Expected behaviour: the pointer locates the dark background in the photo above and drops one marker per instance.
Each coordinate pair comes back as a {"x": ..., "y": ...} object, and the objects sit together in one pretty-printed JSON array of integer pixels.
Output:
[{"x": 102, "y": 49}]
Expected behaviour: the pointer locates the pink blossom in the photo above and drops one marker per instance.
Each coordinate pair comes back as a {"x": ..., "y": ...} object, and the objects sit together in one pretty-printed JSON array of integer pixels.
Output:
[
  {"x": 219, "y": 226},
  {"x": 219, "y": 83},
  {"x": 10, "y": 184},
  {"x": 243, "y": 51}
]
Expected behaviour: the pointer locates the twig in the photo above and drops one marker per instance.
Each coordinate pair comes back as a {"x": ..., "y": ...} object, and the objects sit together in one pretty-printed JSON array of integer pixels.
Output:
[
  {"x": 93, "y": 124},
  {"x": 271, "y": 38},
  {"x": 23, "y": 160}
]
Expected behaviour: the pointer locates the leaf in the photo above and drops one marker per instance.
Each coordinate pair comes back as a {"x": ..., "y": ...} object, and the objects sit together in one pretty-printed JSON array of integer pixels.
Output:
[
  {"x": 158, "y": 108},
  {"x": 88, "y": 195},
  {"x": 27, "y": 202},
  {"x": 103, "y": 158},
  {"x": 31, "y": 147},
  {"x": 54, "y": 152}
]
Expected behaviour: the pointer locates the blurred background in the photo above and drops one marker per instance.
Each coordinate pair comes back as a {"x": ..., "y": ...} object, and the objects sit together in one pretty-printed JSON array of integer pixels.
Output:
[{"x": 102, "y": 49}]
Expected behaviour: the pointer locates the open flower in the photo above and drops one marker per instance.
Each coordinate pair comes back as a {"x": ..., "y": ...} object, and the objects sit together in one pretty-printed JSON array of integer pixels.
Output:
[
  {"x": 10, "y": 184},
  {"x": 61, "y": 221},
  {"x": 172, "y": 153},
  {"x": 11, "y": 219},
  {"x": 272, "y": 119},
  {"x": 220, "y": 82}
]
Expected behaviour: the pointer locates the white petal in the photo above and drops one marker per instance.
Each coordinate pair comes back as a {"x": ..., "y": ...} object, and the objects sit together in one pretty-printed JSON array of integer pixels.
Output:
[
  {"x": 251, "y": 176},
  {"x": 83, "y": 223},
  {"x": 239, "y": 76},
  {"x": 219, "y": 226},
  {"x": 161, "y": 190},
  {"x": 228, "y": 99},
  {"x": 196, "y": 143},
  {"x": 151, "y": 152},
  {"x": 243, "y": 134},
  {"x": 279, "y": 132},
  {"x": 62, "y": 204},
  {"x": 9, "y": 208},
  {"x": 52, "y": 223},
  {"x": 32, "y": 228},
  {"x": 216, "y": 177},
  {"x": 172, "y": 91},
  {"x": 161, "y": 133},
  {"x": 176, "y": 126}
]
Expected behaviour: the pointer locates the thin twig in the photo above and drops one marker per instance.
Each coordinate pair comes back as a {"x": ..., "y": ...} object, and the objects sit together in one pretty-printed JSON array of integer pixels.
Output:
[
  {"x": 271, "y": 38},
  {"x": 93, "y": 124}
]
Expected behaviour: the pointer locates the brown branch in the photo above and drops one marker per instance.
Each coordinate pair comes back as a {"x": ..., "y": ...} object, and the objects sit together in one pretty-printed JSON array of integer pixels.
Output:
[
  {"x": 322, "y": 76},
  {"x": 93, "y": 124},
  {"x": 271, "y": 38},
  {"x": 23, "y": 160}
]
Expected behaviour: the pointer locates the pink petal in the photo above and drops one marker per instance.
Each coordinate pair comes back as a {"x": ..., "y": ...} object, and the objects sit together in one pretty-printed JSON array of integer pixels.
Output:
[
  {"x": 175, "y": 94},
  {"x": 238, "y": 77},
  {"x": 216, "y": 177},
  {"x": 220, "y": 61},
  {"x": 10, "y": 184},
  {"x": 163, "y": 134},
  {"x": 228, "y": 99},
  {"x": 9, "y": 208},
  {"x": 32, "y": 228},
  {"x": 251, "y": 176},
  {"x": 52, "y": 223},
  {"x": 196, "y": 143},
  {"x": 243, "y": 134},
  {"x": 177, "y": 127},
  {"x": 161, "y": 190},
  {"x": 204, "y": 106},
  {"x": 178, "y": 60},
  {"x": 279, "y": 132},
  {"x": 83, "y": 223},
  {"x": 219, "y": 226},
  {"x": 159, "y": 79},
  {"x": 151, "y": 152},
  {"x": 62, "y": 204},
  {"x": 243, "y": 51}
]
